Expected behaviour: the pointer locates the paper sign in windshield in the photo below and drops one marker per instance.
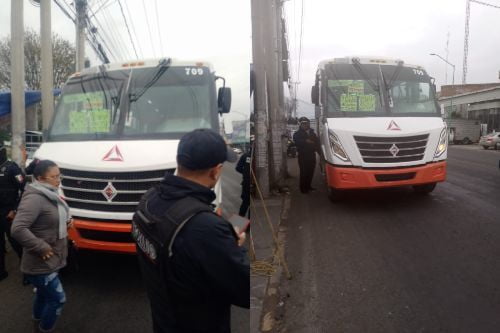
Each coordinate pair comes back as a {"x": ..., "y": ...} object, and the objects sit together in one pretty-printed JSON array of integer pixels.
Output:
[
  {"x": 353, "y": 86},
  {"x": 367, "y": 103},
  {"x": 348, "y": 102},
  {"x": 89, "y": 121},
  {"x": 357, "y": 103}
]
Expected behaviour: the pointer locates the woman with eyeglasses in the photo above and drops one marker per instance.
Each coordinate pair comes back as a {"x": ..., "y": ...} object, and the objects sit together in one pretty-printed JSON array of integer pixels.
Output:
[{"x": 41, "y": 227}]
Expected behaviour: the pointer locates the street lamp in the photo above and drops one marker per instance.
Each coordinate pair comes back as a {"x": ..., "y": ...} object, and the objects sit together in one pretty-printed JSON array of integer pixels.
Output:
[{"x": 453, "y": 78}]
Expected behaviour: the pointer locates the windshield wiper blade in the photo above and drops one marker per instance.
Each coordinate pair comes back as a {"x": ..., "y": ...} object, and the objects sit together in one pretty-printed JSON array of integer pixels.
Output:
[
  {"x": 163, "y": 66},
  {"x": 395, "y": 75},
  {"x": 357, "y": 65}
]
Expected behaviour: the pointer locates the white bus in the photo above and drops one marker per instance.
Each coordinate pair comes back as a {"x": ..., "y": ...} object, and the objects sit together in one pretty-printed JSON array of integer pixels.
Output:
[
  {"x": 379, "y": 125},
  {"x": 115, "y": 133}
]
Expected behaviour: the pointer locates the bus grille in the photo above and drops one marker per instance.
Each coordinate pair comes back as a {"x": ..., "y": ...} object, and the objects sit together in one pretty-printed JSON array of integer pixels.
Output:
[
  {"x": 118, "y": 192},
  {"x": 392, "y": 149}
]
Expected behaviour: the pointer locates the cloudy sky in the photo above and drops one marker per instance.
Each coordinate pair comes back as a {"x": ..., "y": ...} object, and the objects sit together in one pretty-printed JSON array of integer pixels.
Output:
[
  {"x": 218, "y": 32},
  {"x": 404, "y": 29}
]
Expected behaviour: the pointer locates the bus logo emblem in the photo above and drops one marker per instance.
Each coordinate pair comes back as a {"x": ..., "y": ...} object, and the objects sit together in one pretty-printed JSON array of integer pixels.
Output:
[
  {"x": 393, "y": 126},
  {"x": 109, "y": 192},
  {"x": 394, "y": 150},
  {"x": 114, "y": 155}
]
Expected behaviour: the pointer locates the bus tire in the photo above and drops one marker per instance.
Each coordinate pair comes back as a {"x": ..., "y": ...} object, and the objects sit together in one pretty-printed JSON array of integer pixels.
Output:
[
  {"x": 335, "y": 195},
  {"x": 425, "y": 188}
]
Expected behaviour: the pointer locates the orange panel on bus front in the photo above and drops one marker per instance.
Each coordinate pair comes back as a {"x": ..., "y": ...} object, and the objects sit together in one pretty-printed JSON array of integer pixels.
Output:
[{"x": 358, "y": 178}]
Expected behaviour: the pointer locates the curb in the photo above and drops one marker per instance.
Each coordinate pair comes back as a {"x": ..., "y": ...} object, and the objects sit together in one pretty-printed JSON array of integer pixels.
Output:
[{"x": 271, "y": 303}]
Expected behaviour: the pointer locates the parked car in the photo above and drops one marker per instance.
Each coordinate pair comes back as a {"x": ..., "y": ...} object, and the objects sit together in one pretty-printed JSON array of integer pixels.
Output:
[{"x": 490, "y": 141}]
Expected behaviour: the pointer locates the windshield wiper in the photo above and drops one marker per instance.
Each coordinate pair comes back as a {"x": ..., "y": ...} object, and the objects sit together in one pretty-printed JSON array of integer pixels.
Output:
[
  {"x": 389, "y": 85},
  {"x": 357, "y": 65},
  {"x": 395, "y": 75},
  {"x": 163, "y": 66}
]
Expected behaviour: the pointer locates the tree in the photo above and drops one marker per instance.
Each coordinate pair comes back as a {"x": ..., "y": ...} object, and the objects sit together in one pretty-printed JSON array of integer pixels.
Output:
[{"x": 63, "y": 60}]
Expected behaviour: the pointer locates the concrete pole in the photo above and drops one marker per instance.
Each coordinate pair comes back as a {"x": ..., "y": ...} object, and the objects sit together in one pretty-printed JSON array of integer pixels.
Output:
[
  {"x": 81, "y": 10},
  {"x": 18, "y": 113},
  {"x": 281, "y": 118},
  {"x": 273, "y": 74},
  {"x": 261, "y": 152},
  {"x": 47, "y": 66}
]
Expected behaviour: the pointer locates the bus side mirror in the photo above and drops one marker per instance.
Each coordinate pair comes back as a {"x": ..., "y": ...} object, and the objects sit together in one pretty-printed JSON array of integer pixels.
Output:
[
  {"x": 315, "y": 95},
  {"x": 224, "y": 100}
]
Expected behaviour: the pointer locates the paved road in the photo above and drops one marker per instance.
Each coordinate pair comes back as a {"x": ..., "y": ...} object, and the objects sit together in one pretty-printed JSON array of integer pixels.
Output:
[
  {"x": 394, "y": 261},
  {"x": 106, "y": 295}
]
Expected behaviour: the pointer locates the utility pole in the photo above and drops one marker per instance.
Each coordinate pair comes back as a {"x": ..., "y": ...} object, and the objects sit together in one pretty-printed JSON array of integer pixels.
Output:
[
  {"x": 81, "y": 14},
  {"x": 279, "y": 130},
  {"x": 275, "y": 89},
  {"x": 259, "y": 52},
  {"x": 269, "y": 98},
  {"x": 18, "y": 113},
  {"x": 47, "y": 66}
]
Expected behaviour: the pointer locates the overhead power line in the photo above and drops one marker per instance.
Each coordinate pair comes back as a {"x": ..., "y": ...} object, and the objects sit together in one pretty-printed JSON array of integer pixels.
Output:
[
  {"x": 158, "y": 25},
  {"x": 149, "y": 28},
  {"x": 133, "y": 29},
  {"x": 106, "y": 38},
  {"x": 129, "y": 34}
]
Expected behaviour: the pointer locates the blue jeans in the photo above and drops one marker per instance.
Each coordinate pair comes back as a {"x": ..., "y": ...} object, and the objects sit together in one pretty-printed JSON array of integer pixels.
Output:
[{"x": 49, "y": 299}]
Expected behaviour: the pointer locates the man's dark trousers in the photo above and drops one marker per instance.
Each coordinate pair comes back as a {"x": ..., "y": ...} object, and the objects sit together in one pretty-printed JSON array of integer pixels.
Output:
[{"x": 307, "y": 164}]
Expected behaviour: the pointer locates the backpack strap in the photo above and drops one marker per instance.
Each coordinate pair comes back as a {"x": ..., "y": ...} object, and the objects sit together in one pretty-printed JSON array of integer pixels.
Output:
[{"x": 181, "y": 213}]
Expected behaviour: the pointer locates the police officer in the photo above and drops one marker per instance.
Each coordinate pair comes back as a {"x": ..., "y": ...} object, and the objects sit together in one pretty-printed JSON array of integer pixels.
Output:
[
  {"x": 12, "y": 183},
  {"x": 243, "y": 167},
  {"x": 191, "y": 260},
  {"x": 307, "y": 145}
]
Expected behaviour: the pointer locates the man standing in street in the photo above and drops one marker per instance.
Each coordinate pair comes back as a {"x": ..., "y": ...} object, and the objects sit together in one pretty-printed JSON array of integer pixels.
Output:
[
  {"x": 243, "y": 167},
  {"x": 12, "y": 183},
  {"x": 191, "y": 259},
  {"x": 307, "y": 145}
]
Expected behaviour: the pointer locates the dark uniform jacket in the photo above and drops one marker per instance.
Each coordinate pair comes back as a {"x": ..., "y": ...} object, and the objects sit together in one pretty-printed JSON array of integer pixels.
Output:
[
  {"x": 243, "y": 167},
  {"x": 207, "y": 272},
  {"x": 304, "y": 148},
  {"x": 12, "y": 183}
]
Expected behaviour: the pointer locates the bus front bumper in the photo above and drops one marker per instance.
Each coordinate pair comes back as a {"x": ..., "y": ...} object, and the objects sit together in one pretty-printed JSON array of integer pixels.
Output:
[
  {"x": 112, "y": 236},
  {"x": 359, "y": 178}
]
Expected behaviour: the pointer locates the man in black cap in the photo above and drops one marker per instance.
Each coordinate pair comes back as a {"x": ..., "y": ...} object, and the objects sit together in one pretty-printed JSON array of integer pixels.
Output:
[
  {"x": 191, "y": 259},
  {"x": 12, "y": 183},
  {"x": 307, "y": 145}
]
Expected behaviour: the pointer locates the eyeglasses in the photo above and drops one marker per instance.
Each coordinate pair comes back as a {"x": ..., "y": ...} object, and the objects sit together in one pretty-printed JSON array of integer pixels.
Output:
[{"x": 55, "y": 177}]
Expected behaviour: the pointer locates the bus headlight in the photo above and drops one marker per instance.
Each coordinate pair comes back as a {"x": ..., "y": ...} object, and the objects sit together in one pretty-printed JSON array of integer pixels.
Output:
[
  {"x": 443, "y": 143},
  {"x": 336, "y": 146}
]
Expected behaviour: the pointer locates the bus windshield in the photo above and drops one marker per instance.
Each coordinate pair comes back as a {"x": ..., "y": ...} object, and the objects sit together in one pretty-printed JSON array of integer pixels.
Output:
[
  {"x": 139, "y": 103},
  {"x": 377, "y": 91}
]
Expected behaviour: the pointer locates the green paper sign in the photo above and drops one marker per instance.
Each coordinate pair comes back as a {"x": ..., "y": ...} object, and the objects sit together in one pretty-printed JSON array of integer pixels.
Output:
[
  {"x": 367, "y": 103},
  {"x": 348, "y": 102}
]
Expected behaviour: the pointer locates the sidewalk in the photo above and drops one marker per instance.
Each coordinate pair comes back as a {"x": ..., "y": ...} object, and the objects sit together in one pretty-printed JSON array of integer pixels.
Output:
[{"x": 264, "y": 289}]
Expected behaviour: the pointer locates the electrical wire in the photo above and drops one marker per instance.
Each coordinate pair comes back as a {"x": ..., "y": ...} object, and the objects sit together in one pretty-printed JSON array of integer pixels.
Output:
[
  {"x": 65, "y": 12},
  {"x": 129, "y": 34},
  {"x": 105, "y": 37},
  {"x": 158, "y": 25},
  {"x": 133, "y": 29},
  {"x": 113, "y": 34},
  {"x": 149, "y": 28},
  {"x": 300, "y": 41}
]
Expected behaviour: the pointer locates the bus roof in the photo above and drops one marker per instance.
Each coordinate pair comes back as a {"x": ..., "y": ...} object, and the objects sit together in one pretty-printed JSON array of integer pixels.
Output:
[
  {"x": 145, "y": 63},
  {"x": 365, "y": 61}
]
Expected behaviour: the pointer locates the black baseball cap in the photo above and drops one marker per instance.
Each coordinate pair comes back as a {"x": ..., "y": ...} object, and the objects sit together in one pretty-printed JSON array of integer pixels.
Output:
[{"x": 203, "y": 149}]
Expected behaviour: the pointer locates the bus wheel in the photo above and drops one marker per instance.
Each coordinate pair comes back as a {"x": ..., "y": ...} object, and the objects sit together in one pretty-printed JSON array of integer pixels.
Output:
[
  {"x": 335, "y": 195},
  {"x": 424, "y": 189}
]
